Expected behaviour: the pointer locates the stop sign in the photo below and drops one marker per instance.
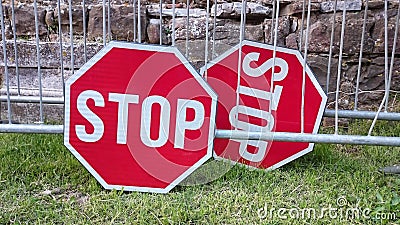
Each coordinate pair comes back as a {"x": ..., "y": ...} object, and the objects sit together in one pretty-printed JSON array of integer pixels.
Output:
[
  {"x": 258, "y": 101},
  {"x": 139, "y": 117}
]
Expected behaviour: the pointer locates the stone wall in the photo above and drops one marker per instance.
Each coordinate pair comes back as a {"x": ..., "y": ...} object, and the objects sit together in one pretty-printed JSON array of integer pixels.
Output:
[{"x": 258, "y": 28}]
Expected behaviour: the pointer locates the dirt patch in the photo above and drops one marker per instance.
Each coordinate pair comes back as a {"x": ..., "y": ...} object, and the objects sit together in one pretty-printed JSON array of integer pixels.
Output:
[{"x": 66, "y": 195}]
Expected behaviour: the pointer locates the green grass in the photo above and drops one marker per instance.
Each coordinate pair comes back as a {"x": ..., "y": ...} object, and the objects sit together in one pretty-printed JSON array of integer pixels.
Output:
[{"x": 42, "y": 183}]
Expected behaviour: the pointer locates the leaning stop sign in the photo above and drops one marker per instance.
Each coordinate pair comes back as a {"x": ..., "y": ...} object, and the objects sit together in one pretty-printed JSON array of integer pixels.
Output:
[
  {"x": 264, "y": 103},
  {"x": 139, "y": 117}
]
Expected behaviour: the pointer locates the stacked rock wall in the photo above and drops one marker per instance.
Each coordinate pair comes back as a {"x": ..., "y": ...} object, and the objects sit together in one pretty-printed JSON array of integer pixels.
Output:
[{"x": 226, "y": 33}]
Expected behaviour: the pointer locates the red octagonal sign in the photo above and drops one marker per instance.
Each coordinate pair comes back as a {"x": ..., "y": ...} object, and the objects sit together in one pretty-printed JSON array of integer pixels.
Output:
[
  {"x": 251, "y": 99},
  {"x": 139, "y": 117}
]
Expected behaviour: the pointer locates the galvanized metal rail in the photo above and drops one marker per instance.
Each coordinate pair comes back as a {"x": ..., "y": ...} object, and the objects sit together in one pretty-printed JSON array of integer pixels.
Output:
[{"x": 237, "y": 135}]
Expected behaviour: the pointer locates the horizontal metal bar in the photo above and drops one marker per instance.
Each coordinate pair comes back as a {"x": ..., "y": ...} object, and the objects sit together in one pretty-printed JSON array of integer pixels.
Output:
[
  {"x": 33, "y": 99},
  {"x": 236, "y": 134},
  {"x": 363, "y": 114},
  {"x": 31, "y": 128},
  {"x": 328, "y": 113},
  {"x": 304, "y": 137}
]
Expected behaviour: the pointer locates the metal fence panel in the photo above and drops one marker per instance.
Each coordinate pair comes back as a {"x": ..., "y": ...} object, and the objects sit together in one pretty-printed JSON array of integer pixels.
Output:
[{"x": 36, "y": 64}]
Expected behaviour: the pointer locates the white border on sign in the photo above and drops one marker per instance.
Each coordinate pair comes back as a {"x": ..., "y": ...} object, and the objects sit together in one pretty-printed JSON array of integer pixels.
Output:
[
  {"x": 156, "y": 48},
  {"x": 310, "y": 75}
]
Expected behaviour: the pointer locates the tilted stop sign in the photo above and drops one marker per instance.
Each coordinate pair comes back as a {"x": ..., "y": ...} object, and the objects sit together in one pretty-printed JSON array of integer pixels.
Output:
[
  {"x": 139, "y": 117},
  {"x": 260, "y": 89}
]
